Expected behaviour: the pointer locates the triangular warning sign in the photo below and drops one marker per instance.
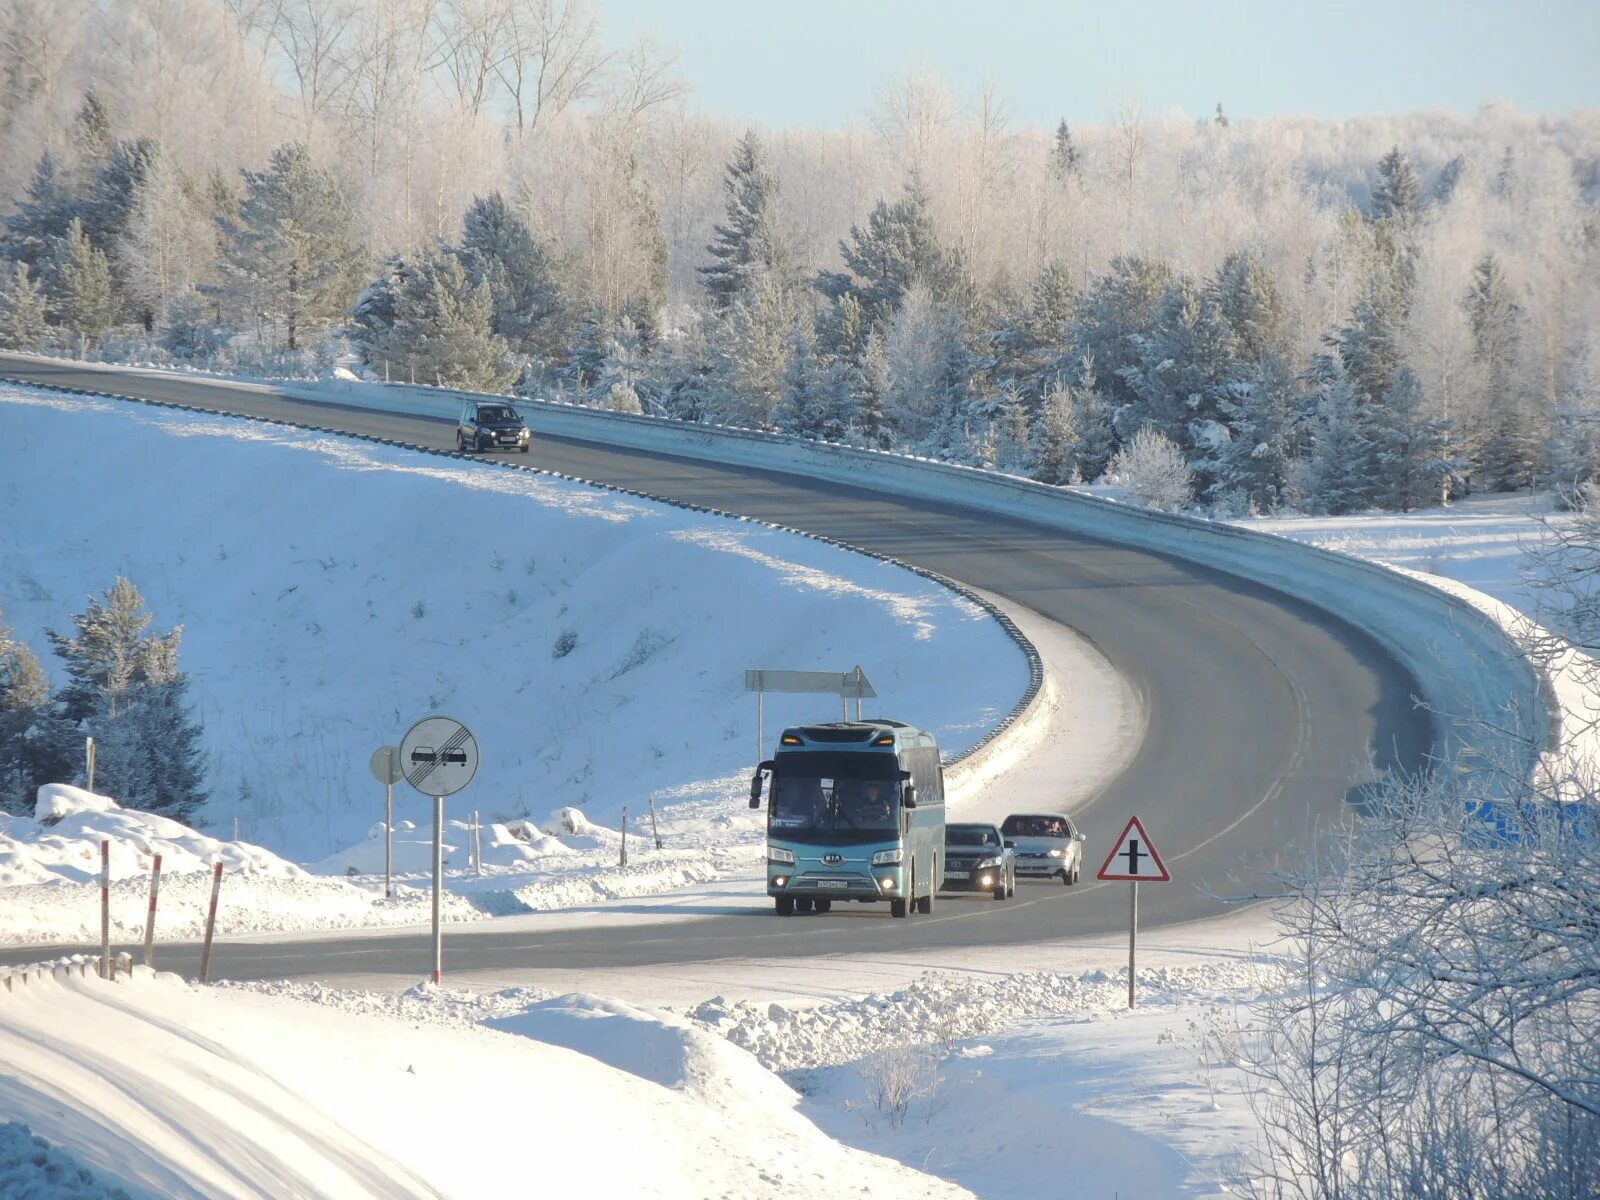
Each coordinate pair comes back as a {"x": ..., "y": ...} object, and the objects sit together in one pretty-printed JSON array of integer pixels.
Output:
[{"x": 1134, "y": 859}]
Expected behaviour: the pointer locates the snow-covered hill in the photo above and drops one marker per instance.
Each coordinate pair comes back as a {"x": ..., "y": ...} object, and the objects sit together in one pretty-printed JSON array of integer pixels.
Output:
[{"x": 332, "y": 591}]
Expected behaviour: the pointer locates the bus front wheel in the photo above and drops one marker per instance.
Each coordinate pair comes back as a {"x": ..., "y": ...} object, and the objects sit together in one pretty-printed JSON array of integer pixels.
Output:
[
  {"x": 784, "y": 905},
  {"x": 897, "y": 907}
]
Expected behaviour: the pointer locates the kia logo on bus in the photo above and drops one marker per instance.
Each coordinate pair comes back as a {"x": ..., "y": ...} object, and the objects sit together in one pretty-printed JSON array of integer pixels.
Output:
[{"x": 833, "y": 860}]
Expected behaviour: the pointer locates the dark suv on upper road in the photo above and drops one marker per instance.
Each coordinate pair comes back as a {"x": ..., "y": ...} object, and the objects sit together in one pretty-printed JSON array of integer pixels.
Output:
[{"x": 488, "y": 424}]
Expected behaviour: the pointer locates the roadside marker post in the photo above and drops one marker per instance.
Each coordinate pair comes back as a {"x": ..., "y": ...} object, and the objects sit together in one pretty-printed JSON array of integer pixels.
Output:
[
  {"x": 438, "y": 756},
  {"x": 624, "y": 860},
  {"x": 655, "y": 833},
  {"x": 385, "y": 766},
  {"x": 150, "y": 921},
  {"x": 211, "y": 924},
  {"x": 88, "y": 764},
  {"x": 1133, "y": 858},
  {"x": 105, "y": 909}
]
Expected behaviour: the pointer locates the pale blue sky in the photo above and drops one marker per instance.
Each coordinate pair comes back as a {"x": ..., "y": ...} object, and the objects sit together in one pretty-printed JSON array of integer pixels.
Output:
[{"x": 821, "y": 62}]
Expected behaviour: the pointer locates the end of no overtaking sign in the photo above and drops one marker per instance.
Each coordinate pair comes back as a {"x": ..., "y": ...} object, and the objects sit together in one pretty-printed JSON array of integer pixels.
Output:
[{"x": 438, "y": 756}]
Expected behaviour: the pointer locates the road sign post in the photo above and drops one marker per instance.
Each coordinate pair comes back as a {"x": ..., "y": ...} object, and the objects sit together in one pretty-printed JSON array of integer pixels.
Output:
[
  {"x": 844, "y": 684},
  {"x": 1133, "y": 858},
  {"x": 385, "y": 766},
  {"x": 438, "y": 757}
]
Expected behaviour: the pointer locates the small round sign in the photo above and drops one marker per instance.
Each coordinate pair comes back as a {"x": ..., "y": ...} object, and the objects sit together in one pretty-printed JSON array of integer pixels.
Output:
[
  {"x": 438, "y": 756},
  {"x": 386, "y": 764}
]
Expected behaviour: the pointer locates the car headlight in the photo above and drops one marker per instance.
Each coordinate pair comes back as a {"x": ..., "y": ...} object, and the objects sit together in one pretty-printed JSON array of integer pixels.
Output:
[
  {"x": 1056, "y": 853},
  {"x": 989, "y": 862},
  {"x": 886, "y": 858},
  {"x": 777, "y": 854}
]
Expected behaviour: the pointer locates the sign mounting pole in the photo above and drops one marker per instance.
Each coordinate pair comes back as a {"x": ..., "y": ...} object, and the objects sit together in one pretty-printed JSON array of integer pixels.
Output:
[
  {"x": 1135, "y": 860},
  {"x": 438, "y": 887},
  {"x": 439, "y": 757},
  {"x": 385, "y": 766}
]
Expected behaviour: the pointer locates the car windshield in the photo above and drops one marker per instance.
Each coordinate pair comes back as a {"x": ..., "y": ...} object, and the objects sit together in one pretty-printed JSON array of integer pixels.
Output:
[
  {"x": 1045, "y": 827},
  {"x": 835, "y": 797},
  {"x": 971, "y": 835},
  {"x": 498, "y": 414}
]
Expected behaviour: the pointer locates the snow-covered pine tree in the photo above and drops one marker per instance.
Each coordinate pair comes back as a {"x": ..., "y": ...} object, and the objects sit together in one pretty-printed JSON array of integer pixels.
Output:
[
  {"x": 1054, "y": 438},
  {"x": 871, "y": 392},
  {"x": 78, "y": 286},
  {"x": 1065, "y": 160},
  {"x": 1408, "y": 448},
  {"x": 127, "y": 692},
  {"x": 749, "y": 242},
  {"x": 1504, "y": 444},
  {"x": 1397, "y": 196},
  {"x": 42, "y": 215},
  {"x": 897, "y": 249},
  {"x": 1246, "y": 295},
  {"x": 292, "y": 254},
  {"x": 32, "y": 742},
  {"x": 498, "y": 249},
  {"x": 1119, "y": 307},
  {"x": 1263, "y": 415},
  {"x": 1153, "y": 469},
  {"x": 753, "y": 338},
  {"x": 817, "y": 401},
  {"x": 107, "y": 210},
  {"x": 442, "y": 331},
  {"x": 1336, "y": 474},
  {"x": 22, "y": 309}
]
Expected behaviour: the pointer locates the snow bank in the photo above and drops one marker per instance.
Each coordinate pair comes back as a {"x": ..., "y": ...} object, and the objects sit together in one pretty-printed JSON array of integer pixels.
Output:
[
  {"x": 62, "y": 843},
  {"x": 186, "y": 1092},
  {"x": 50, "y": 880},
  {"x": 944, "y": 1008}
]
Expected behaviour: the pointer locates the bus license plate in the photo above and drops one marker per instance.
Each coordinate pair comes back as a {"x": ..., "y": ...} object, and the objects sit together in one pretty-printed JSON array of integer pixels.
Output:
[{"x": 838, "y": 883}]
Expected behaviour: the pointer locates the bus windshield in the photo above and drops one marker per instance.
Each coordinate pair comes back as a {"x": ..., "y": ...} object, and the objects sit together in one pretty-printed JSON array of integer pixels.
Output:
[{"x": 836, "y": 797}]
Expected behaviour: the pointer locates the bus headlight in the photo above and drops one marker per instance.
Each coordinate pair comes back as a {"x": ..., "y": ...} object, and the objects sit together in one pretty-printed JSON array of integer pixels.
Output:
[
  {"x": 777, "y": 854},
  {"x": 887, "y": 858}
]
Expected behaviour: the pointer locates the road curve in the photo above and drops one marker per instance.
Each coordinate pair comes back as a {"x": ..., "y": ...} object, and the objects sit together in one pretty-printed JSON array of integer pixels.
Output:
[{"x": 1261, "y": 710}]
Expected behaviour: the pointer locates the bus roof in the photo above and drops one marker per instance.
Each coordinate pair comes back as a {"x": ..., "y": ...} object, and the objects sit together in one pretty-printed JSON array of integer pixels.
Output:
[{"x": 856, "y": 735}]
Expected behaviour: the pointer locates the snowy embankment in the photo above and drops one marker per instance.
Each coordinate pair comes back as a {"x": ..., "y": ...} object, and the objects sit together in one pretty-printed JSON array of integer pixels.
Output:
[
  {"x": 333, "y": 590},
  {"x": 175, "y": 1091},
  {"x": 1478, "y": 551}
]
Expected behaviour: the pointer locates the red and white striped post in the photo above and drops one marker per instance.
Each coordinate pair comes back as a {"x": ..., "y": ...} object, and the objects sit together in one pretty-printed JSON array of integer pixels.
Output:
[
  {"x": 150, "y": 921},
  {"x": 211, "y": 924},
  {"x": 105, "y": 909}
]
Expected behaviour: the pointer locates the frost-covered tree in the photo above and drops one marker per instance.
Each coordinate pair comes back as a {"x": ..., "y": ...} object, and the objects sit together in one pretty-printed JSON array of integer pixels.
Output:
[
  {"x": 748, "y": 242},
  {"x": 1154, "y": 471},
  {"x": 1408, "y": 449},
  {"x": 125, "y": 690},
  {"x": 816, "y": 398},
  {"x": 1246, "y": 295},
  {"x": 499, "y": 250},
  {"x": 293, "y": 253},
  {"x": 442, "y": 331},
  {"x": 1397, "y": 196},
  {"x": 1182, "y": 367},
  {"x": 22, "y": 309},
  {"x": 78, "y": 280},
  {"x": 754, "y": 340},
  {"x": 168, "y": 244}
]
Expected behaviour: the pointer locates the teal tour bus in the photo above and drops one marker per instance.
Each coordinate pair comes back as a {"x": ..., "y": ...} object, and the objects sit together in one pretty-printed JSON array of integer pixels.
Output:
[{"x": 855, "y": 812}]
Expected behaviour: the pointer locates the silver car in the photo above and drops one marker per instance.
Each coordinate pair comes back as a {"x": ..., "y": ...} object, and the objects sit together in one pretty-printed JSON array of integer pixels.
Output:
[{"x": 1048, "y": 846}]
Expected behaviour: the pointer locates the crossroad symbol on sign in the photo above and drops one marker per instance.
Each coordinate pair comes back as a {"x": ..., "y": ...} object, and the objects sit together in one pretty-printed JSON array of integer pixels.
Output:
[{"x": 1134, "y": 859}]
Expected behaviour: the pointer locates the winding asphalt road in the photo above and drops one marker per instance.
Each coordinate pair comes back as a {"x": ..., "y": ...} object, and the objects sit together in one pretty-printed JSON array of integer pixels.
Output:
[{"x": 1262, "y": 710}]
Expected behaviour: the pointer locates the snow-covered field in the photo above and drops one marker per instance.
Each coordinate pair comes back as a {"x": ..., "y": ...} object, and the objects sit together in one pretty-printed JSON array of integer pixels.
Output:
[
  {"x": 332, "y": 591},
  {"x": 1010, "y": 1088}
]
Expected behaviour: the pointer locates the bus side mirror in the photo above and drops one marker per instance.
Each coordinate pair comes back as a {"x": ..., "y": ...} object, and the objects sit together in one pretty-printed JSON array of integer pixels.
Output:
[
  {"x": 755, "y": 783},
  {"x": 908, "y": 796}
]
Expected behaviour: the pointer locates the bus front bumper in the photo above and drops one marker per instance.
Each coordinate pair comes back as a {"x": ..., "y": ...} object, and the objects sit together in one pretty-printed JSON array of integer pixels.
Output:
[{"x": 883, "y": 883}]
